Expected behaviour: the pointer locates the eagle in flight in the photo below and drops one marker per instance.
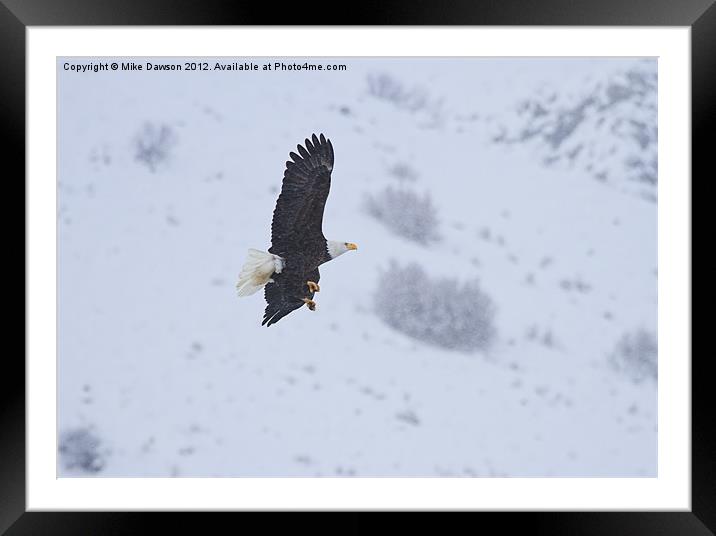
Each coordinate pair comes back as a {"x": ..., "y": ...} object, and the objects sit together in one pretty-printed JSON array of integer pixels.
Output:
[{"x": 288, "y": 272}]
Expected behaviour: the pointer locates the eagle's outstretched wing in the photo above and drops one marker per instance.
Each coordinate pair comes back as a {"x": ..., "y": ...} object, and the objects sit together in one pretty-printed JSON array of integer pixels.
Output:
[
  {"x": 298, "y": 216},
  {"x": 284, "y": 294}
]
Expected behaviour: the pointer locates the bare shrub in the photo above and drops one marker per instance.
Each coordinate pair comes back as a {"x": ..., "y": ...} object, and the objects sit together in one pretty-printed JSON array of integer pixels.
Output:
[
  {"x": 386, "y": 87},
  {"x": 441, "y": 312},
  {"x": 406, "y": 214},
  {"x": 636, "y": 355},
  {"x": 608, "y": 128},
  {"x": 153, "y": 145},
  {"x": 80, "y": 449},
  {"x": 404, "y": 172}
]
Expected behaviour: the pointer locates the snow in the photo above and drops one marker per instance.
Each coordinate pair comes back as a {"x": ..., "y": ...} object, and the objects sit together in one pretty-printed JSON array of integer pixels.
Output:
[{"x": 163, "y": 371}]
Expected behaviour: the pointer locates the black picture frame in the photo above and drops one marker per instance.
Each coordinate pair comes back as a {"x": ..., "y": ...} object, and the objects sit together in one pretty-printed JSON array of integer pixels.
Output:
[{"x": 16, "y": 15}]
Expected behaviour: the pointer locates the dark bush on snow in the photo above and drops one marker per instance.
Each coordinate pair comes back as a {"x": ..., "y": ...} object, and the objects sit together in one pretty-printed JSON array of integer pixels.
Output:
[
  {"x": 153, "y": 145},
  {"x": 441, "y": 312},
  {"x": 79, "y": 449},
  {"x": 404, "y": 172},
  {"x": 636, "y": 355},
  {"x": 405, "y": 213},
  {"x": 386, "y": 87}
]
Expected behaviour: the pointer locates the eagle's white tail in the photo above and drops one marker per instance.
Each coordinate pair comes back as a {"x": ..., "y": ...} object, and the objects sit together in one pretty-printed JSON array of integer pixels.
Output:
[{"x": 257, "y": 271}]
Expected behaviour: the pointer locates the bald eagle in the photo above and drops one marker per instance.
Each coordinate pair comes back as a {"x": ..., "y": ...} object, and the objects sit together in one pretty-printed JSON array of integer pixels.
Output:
[{"x": 288, "y": 272}]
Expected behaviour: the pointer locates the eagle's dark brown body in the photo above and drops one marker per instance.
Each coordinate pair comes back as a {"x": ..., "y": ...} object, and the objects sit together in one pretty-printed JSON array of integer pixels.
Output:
[{"x": 296, "y": 230}]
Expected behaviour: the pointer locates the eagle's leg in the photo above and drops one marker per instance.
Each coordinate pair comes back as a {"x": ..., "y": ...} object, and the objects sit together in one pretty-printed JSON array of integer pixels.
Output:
[
  {"x": 311, "y": 304},
  {"x": 313, "y": 287}
]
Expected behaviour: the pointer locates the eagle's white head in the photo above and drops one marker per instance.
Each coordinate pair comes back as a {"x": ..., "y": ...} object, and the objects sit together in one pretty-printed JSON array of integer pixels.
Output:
[{"x": 337, "y": 248}]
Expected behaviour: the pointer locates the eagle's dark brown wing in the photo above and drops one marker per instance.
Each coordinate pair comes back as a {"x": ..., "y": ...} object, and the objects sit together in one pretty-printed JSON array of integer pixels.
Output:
[{"x": 298, "y": 216}]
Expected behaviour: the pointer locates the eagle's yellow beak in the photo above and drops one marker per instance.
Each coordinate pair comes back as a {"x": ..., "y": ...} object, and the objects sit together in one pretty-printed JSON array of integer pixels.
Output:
[{"x": 351, "y": 245}]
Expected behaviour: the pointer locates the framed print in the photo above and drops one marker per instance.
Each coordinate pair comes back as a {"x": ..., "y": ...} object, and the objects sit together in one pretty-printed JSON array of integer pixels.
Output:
[{"x": 508, "y": 326}]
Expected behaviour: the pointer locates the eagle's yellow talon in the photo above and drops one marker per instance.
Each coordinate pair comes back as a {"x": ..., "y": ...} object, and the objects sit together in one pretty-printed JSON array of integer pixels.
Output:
[
  {"x": 311, "y": 304},
  {"x": 313, "y": 287}
]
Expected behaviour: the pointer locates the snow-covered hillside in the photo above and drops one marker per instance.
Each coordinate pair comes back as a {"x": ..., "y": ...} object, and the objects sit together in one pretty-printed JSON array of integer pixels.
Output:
[{"x": 166, "y": 179}]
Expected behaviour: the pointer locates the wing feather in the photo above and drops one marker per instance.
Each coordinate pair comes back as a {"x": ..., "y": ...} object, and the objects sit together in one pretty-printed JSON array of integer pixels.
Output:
[{"x": 303, "y": 152}]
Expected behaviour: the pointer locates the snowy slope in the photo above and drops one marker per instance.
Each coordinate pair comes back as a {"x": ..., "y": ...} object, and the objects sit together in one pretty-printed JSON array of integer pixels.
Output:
[{"x": 163, "y": 371}]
